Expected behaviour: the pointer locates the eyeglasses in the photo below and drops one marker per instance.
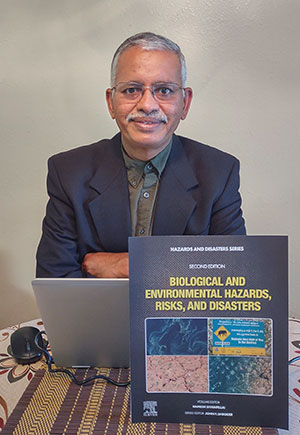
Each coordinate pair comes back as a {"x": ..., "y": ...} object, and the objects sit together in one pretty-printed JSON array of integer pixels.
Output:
[{"x": 132, "y": 91}]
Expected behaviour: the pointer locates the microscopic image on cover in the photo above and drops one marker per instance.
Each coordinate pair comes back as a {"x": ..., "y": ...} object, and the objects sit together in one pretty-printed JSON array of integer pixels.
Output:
[
  {"x": 240, "y": 375},
  {"x": 176, "y": 336}
]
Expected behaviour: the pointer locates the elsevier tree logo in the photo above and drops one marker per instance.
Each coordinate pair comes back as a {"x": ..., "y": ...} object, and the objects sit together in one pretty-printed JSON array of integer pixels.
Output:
[{"x": 149, "y": 409}]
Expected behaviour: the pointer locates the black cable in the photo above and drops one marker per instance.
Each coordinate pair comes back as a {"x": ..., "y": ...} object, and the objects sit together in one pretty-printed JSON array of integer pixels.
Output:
[{"x": 49, "y": 361}]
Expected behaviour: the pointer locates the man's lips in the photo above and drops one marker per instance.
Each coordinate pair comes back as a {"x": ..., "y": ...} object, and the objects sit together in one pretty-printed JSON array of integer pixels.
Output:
[
  {"x": 146, "y": 124},
  {"x": 147, "y": 121}
]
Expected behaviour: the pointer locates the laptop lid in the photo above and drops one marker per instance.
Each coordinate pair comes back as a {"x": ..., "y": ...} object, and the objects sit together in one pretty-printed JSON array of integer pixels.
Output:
[{"x": 86, "y": 320}]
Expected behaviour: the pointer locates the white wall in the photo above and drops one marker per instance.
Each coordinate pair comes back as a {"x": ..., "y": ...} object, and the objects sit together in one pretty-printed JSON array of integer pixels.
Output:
[{"x": 244, "y": 65}]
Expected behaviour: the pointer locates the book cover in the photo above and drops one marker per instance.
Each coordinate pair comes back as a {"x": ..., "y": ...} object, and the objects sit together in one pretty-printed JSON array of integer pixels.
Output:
[{"x": 209, "y": 330}]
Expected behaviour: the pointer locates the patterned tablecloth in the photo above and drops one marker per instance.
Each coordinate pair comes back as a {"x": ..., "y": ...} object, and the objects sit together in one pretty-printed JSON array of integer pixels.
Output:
[{"x": 15, "y": 378}]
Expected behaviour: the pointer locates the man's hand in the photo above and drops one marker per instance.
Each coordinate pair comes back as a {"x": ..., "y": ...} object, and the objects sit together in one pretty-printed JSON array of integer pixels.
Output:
[{"x": 106, "y": 264}]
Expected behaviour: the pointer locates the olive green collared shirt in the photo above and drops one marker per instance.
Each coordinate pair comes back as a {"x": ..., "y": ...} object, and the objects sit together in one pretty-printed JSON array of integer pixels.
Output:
[{"x": 143, "y": 180}]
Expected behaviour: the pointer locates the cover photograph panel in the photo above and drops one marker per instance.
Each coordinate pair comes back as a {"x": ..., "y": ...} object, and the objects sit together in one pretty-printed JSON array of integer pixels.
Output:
[
  {"x": 176, "y": 336},
  {"x": 240, "y": 356},
  {"x": 214, "y": 355}
]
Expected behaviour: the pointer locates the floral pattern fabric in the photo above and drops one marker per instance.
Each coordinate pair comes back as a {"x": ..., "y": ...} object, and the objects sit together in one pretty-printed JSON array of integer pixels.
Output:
[{"x": 14, "y": 377}]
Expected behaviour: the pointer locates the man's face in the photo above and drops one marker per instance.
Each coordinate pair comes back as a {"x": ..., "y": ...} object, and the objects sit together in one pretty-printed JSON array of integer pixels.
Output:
[{"x": 147, "y": 125}]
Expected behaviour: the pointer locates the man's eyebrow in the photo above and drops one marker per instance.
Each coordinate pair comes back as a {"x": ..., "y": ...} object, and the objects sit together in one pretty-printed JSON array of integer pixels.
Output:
[
  {"x": 130, "y": 83},
  {"x": 143, "y": 84}
]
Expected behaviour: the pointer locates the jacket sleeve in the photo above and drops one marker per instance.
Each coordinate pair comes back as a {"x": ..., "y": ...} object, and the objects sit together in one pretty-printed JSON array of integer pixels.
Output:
[
  {"x": 226, "y": 217},
  {"x": 57, "y": 254}
]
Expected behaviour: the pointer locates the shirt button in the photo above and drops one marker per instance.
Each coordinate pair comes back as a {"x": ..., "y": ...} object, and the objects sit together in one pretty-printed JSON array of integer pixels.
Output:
[
  {"x": 149, "y": 166},
  {"x": 146, "y": 195},
  {"x": 142, "y": 231}
]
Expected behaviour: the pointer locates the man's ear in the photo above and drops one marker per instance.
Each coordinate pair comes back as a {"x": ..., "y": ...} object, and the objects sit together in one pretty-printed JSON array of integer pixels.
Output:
[
  {"x": 109, "y": 102},
  {"x": 188, "y": 95}
]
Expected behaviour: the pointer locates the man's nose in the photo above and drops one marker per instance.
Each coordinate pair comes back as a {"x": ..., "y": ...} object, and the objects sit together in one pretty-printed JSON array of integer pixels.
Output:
[{"x": 147, "y": 102}]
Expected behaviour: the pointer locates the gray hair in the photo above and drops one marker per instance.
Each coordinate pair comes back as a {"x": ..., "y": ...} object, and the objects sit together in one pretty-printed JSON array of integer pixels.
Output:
[{"x": 148, "y": 41}]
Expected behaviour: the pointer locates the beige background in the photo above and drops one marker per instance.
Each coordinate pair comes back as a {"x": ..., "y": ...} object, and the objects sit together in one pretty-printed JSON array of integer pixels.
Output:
[{"x": 243, "y": 64}]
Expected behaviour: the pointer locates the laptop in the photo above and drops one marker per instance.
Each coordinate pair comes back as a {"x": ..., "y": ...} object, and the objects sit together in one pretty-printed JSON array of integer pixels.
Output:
[{"x": 86, "y": 320}]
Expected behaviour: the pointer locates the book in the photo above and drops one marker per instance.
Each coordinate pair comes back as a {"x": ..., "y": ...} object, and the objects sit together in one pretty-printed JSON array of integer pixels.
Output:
[{"x": 209, "y": 330}]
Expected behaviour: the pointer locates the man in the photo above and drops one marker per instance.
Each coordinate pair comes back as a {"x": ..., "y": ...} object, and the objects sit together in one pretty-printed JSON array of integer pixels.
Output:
[{"x": 145, "y": 180}]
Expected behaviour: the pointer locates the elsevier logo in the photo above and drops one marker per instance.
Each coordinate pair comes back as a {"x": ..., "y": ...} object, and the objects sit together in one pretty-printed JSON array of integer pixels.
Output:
[{"x": 150, "y": 409}]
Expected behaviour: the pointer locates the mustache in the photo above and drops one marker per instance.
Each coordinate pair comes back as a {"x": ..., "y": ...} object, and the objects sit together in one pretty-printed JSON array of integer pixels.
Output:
[{"x": 157, "y": 116}]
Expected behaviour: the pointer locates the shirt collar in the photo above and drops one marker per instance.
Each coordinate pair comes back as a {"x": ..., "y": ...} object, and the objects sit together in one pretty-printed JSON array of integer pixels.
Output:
[{"x": 136, "y": 168}]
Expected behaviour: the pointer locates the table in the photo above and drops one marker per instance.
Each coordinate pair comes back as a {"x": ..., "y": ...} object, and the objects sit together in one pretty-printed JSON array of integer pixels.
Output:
[{"x": 15, "y": 378}]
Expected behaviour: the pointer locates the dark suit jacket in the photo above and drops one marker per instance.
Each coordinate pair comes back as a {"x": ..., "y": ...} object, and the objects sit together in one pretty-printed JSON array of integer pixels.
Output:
[{"x": 88, "y": 209}]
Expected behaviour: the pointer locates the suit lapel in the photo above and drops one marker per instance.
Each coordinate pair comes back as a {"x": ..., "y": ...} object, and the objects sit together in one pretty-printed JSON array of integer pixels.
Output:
[
  {"x": 175, "y": 203},
  {"x": 110, "y": 206}
]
